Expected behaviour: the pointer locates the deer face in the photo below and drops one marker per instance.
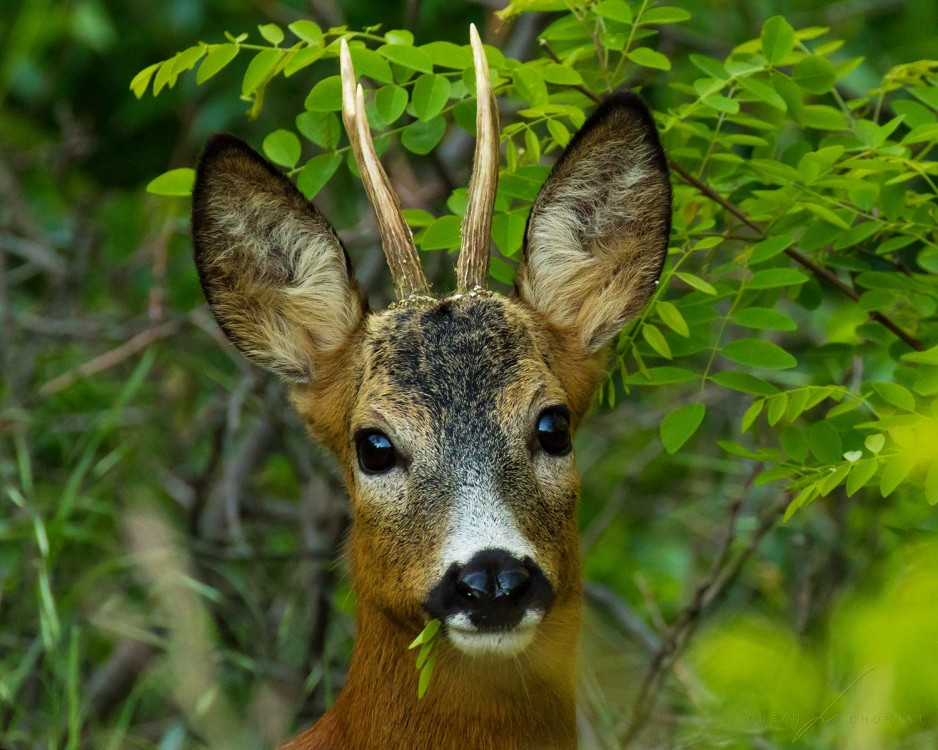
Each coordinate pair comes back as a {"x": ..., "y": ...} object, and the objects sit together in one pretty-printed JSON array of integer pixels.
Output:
[
  {"x": 461, "y": 471},
  {"x": 452, "y": 417}
]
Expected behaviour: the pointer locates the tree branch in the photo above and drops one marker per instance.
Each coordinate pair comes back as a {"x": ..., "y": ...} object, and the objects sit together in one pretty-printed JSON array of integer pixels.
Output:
[
  {"x": 796, "y": 255},
  {"x": 725, "y": 568}
]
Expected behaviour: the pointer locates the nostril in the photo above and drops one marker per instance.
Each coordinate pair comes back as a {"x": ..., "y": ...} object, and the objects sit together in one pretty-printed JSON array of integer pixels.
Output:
[
  {"x": 511, "y": 583},
  {"x": 475, "y": 584}
]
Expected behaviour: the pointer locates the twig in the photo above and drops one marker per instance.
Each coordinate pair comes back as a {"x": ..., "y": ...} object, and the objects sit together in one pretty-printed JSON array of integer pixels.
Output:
[
  {"x": 582, "y": 89},
  {"x": 724, "y": 570},
  {"x": 796, "y": 255},
  {"x": 626, "y": 617},
  {"x": 111, "y": 358}
]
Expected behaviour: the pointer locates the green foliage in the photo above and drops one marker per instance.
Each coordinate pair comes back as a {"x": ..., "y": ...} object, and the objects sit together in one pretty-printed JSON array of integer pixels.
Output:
[
  {"x": 162, "y": 517},
  {"x": 803, "y": 260},
  {"x": 425, "y": 656}
]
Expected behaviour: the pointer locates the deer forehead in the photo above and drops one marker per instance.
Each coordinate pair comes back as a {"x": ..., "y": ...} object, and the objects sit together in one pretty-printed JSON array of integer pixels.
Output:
[{"x": 469, "y": 369}]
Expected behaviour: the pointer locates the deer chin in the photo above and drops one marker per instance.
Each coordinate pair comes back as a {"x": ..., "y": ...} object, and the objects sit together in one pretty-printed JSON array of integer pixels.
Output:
[{"x": 481, "y": 642}]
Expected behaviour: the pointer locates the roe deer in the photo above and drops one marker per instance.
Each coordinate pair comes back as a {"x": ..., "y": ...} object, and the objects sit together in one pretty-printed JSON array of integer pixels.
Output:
[{"x": 452, "y": 417}]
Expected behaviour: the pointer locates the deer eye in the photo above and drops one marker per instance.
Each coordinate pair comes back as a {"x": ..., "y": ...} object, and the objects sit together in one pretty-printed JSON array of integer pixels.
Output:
[
  {"x": 553, "y": 430},
  {"x": 376, "y": 454}
]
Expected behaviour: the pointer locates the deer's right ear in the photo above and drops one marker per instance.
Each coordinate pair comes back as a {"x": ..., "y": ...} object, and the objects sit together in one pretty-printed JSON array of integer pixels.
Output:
[
  {"x": 598, "y": 233},
  {"x": 273, "y": 271}
]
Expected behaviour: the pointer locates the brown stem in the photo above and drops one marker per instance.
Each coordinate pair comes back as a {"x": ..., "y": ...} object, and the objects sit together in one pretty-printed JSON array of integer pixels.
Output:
[{"x": 724, "y": 570}]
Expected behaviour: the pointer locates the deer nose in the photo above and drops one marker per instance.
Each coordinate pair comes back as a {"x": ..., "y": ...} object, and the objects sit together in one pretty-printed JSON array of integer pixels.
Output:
[
  {"x": 493, "y": 590},
  {"x": 483, "y": 582}
]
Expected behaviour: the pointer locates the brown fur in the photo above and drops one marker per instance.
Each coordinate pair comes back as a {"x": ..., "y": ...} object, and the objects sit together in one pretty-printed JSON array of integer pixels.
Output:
[{"x": 457, "y": 385}]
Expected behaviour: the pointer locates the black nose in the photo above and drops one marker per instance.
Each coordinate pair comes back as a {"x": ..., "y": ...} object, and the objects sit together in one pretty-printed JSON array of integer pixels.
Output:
[
  {"x": 494, "y": 590},
  {"x": 482, "y": 581}
]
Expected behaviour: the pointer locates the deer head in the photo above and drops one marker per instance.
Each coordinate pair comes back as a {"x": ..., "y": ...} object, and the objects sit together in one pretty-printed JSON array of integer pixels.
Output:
[{"x": 453, "y": 416}]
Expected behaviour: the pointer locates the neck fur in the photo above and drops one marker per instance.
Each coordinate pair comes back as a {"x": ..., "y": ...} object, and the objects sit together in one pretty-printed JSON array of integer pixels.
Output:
[{"x": 472, "y": 702}]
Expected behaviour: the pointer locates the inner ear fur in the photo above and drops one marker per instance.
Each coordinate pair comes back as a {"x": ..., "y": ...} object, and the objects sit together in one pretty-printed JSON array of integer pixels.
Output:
[
  {"x": 598, "y": 233},
  {"x": 274, "y": 273}
]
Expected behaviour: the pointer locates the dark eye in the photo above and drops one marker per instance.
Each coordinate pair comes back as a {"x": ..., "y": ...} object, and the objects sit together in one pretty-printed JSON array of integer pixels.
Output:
[
  {"x": 553, "y": 430},
  {"x": 376, "y": 453}
]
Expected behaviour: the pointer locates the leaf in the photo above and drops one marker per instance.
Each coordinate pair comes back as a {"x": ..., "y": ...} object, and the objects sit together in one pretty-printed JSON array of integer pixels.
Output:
[
  {"x": 503, "y": 272},
  {"x": 763, "y": 92},
  {"x": 763, "y": 318},
  {"x": 442, "y": 234},
  {"x": 282, "y": 147},
  {"x": 770, "y": 278},
  {"x": 833, "y": 480},
  {"x": 448, "y": 55},
  {"x": 260, "y": 68},
  {"x": 390, "y": 101},
  {"x": 778, "y": 39},
  {"x": 558, "y": 131},
  {"x": 140, "y": 81},
  {"x": 696, "y": 282},
  {"x": 931, "y": 485},
  {"x": 825, "y": 442},
  {"x": 215, "y": 60},
  {"x": 308, "y": 31},
  {"x": 422, "y": 137},
  {"x": 758, "y": 353},
  {"x": 770, "y": 247},
  {"x": 663, "y": 15},
  {"x": 561, "y": 75},
  {"x": 672, "y": 318},
  {"x": 322, "y": 128},
  {"x": 187, "y": 59},
  {"x": 326, "y": 96},
  {"x": 407, "y": 56},
  {"x": 744, "y": 382},
  {"x": 927, "y": 357},
  {"x": 316, "y": 173},
  {"x": 427, "y": 634},
  {"x": 680, "y": 425},
  {"x": 874, "y": 443},
  {"x": 822, "y": 117},
  {"x": 271, "y": 32},
  {"x": 431, "y": 92},
  {"x": 508, "y": 231},
  {"x": 530, "y": 85},
  {"x": 649, "y": 58},
  {"x": 895, "y": 394},
  {"x": 860, "y": 474},
  {"x": 176, "y": 182},
  {"x": 896, "y": 470},
  {"x": 532, "y": 146},
  {"x": 776, "y": 410},
  {"x": 815, "y": 74},
  {"x": 369, "y": 63},
  {"x": 656, "y": 340},
  {"x": 614, "y": 10},
  {"x": 425, "y": 674}
]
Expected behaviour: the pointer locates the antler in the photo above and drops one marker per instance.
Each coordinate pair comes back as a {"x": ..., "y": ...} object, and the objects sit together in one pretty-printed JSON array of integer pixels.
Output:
[
  {"x": 472, "y": 268},
  {"x": 396, "y": 237}
]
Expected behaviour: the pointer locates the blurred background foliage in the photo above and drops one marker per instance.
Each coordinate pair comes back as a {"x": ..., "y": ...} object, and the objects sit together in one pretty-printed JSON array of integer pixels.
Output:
[{"x": 169, "y": 565}]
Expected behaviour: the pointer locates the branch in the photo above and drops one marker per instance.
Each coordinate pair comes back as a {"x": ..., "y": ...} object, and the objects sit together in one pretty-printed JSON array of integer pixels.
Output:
[
  {"x": 109, "y": 359},
  {"x": 724, "y": 570},
  {"x": 796, "y": 255}
]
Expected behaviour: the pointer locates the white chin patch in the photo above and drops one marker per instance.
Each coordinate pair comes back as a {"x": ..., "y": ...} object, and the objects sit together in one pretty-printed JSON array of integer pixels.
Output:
[{"x": 504, "y": 643}]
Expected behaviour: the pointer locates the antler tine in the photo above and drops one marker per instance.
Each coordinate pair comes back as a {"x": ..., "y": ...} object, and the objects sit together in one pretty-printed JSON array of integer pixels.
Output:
[
  {"x": 472, "y": 268},
  {"x": 396, "y": 237}
]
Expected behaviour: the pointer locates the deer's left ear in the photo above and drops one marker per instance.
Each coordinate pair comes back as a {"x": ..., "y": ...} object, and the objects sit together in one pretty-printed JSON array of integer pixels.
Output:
[{"x": 598, "y": 233}]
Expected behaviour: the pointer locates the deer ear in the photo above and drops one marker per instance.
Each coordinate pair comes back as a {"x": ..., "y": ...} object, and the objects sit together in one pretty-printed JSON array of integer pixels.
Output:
[
  {"x": 598, "y": 233},
  {"x": 273, "y": 271}
]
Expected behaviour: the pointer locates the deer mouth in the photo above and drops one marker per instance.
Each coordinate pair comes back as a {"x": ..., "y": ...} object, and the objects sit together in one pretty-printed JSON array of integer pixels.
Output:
[
  {"x": 481, "y": 641},
  {"x": 492, "y": 604}
]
